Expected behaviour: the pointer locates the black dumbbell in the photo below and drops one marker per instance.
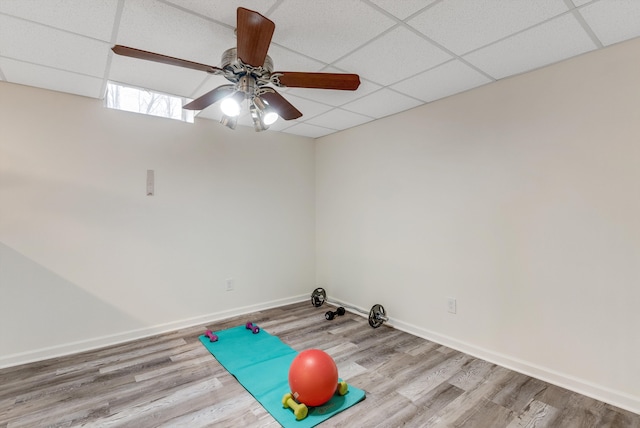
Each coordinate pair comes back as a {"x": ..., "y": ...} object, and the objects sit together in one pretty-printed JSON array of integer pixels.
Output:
[{"x": 331, "y": 315}]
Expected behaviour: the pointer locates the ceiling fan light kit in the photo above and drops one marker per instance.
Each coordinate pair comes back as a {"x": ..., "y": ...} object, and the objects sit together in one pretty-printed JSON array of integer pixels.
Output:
[
  {"x": 231, "y": 105},
  {"x": 250, "y": 71}
]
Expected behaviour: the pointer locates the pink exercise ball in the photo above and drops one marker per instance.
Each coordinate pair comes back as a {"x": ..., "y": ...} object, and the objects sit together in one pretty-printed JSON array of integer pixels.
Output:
[{"x": 313, "y": 377}]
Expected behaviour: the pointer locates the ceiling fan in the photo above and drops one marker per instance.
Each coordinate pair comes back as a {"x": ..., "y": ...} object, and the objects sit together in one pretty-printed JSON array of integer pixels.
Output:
[{"x": 250, "y": 71}]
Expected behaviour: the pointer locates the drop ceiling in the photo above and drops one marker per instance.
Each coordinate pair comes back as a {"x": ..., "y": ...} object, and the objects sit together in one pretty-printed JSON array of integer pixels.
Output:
[{"x": 407, "y": 52}]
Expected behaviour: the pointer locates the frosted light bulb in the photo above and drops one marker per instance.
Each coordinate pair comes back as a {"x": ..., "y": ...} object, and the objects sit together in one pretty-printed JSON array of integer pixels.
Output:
[
  {"x": 270, "y": 118},
  {"x": 230, "y": 107}
]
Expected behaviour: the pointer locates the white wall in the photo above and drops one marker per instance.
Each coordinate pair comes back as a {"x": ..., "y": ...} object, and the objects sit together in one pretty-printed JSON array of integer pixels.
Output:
[
  {"x": 521, "y": 199},
  {"x": 86, "y": 258}
]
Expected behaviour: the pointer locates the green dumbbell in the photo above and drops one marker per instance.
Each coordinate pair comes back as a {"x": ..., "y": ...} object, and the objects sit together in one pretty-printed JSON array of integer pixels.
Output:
[{"x": 299, "y": 410}]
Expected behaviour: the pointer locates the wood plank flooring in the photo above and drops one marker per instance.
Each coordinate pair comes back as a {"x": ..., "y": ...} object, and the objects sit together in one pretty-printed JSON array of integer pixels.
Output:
[{"x": 171, "y": 380}]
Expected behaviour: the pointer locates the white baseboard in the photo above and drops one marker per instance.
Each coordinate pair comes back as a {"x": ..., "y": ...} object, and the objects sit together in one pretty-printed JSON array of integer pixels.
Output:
[
  {"x": 598, "y": 392},
  {"x": 127, "y": 336},
  {"x": 581, "y": 386}
]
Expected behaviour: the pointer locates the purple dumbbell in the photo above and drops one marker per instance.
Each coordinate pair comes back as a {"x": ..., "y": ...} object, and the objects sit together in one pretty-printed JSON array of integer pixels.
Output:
[
  {"x": 254, "y": 328},
  {"x": 212, "y": 337}
]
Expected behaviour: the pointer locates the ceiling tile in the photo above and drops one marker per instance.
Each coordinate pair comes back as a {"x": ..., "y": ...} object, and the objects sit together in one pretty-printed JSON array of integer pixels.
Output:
[
  {"x": 533, "y": 48},
  {"x": 223, "y": 10},
  {"x": 282, "y": 124},
  {"x": 339, "y": 119},
  {"x": 210, "y": 82},
  {"x": 89, "y": 18},
  {"x": 163, "y": 29},
  {"x": 39, "y": 44},
  {"x": 327, "y": 29},
  {"x": 382, "y": 103},
  {"x": 613, "y": 20},
  {"x": 287, "y": 60},
  {"x": 396, "y": 55},
  {"x": 462, "y": 25},
  {"x": 402, "y": 9},
  {"x": 442, "y": 81},
  {"x": 308, "y": 108},
  {"x": 158, "y": 77},
  {"x": 65, "y": 45},
  {"x": 52, "y": 79},
  {"x": 307, "y": 130}
]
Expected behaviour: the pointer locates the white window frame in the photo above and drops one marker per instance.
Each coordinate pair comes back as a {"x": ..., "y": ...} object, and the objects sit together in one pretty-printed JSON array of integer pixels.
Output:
[{"x": 145, "y": 101}]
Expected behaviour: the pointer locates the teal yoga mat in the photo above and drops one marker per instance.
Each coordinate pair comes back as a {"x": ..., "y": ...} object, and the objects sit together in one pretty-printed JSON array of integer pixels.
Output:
[{"x": 261, "y": 363}]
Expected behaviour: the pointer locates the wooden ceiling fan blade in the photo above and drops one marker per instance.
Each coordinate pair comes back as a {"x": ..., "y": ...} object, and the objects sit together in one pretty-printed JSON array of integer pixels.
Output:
[
  {"x": 284, "y": 108},
  {"x": 340, "y": 81},
  {"x": 210, "y": 97},
  {"x": 164, "y": 59},
  {"x": 254, "y": 33}
]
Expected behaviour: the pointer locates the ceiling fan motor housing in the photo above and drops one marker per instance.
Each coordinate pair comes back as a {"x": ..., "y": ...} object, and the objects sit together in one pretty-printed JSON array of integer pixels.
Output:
[
  {"x": 248, "y": 79},
  {"x": 231, "y": 62}
]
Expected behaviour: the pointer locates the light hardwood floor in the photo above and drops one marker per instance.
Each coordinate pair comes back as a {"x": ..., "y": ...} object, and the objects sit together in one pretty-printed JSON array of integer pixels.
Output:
[{"x": 172, "y": 380}]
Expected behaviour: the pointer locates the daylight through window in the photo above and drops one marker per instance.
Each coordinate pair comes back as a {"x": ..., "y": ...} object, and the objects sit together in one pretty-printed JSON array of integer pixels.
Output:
[{"x": 145, "y": 101}]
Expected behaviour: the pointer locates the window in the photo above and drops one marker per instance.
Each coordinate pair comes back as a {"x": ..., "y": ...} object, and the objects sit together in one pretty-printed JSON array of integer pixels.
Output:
[{"x": 145, "y": 101}]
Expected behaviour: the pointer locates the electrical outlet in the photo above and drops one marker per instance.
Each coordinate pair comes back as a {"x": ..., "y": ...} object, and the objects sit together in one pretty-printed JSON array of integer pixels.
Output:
[
  {"x": 230, "y": 284},
  {"x": 451, "y": 305}
]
